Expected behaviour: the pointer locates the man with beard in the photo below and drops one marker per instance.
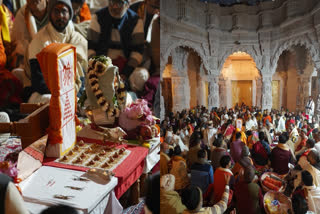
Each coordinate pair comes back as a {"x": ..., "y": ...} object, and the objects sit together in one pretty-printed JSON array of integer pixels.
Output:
[
  {"x": 58, "y": 30},
  {"x": 117, "y": 32}
]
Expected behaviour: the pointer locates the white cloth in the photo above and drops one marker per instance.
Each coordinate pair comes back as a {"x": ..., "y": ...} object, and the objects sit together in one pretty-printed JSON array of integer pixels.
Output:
[
  {"x": 40, "y": 187},
  {"x": 310, "y": 109},
  {"x": 249, "y": 124},
  {"x": 176, "y": 139},
  {"x": 305, "y": 165},
  {"x": 208, "y": 136},
  {"x": 313, "y": 198},
  {"x": 281, "y": 125}
]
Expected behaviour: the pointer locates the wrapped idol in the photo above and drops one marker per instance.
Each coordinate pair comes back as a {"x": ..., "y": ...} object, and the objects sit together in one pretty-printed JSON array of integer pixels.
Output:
[{"x": 106, "y": 94}]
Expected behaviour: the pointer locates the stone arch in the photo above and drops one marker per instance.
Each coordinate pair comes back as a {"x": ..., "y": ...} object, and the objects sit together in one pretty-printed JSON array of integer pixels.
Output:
[
  {"x": 247, "y": 49},
  {"x": 187, "y": 44},
  {"x": 301, "y": 40}
]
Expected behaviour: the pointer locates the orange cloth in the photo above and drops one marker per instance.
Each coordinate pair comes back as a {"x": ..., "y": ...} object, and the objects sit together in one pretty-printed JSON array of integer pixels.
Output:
[
  {"x": 219, "y": 182},
  {"x": 3, "y": 56},
  {"x": 243, "y": 137},
  {"x": 85, "y": 14},
  {"x": 268, "y": 117}
]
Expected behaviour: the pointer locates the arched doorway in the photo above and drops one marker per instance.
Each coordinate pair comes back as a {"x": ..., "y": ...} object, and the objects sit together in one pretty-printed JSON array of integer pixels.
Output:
[
  {"x": 296, "y": 79},
  {"x": 183, "y": 86},
  {"x": 240, "y": 81}
]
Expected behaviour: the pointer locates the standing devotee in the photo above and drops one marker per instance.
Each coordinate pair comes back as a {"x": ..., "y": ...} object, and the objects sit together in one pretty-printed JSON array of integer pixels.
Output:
[
  {"x": 58, "y": 30},
  {"x": 310, "y": 108}
]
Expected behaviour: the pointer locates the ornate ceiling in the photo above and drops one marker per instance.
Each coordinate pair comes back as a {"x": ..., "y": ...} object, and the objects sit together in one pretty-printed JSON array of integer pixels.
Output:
[{"x": 232, "y": 2}]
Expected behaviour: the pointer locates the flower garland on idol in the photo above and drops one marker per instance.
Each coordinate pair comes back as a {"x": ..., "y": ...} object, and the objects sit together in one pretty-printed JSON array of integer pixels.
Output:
[{"x": 98, "y": 65}]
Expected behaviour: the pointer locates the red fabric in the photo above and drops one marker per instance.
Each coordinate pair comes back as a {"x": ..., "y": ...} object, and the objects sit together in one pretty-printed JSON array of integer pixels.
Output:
[
  {"x": 34, "y": 153},
  {"x": 219, "y": 183},
  {"x": 259, "y": 149},
  {"x": 127, "y": 172}
]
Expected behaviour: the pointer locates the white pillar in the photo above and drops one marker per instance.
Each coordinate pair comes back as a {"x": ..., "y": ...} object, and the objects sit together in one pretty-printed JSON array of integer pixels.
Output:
[
  {"x": 266, "y": 92},
  {"x": 213, "y": 99}
]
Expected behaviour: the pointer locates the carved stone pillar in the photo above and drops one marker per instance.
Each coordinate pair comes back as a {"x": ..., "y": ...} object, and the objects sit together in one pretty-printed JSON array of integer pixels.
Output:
[
  {"x": 179, "y": 80},
  {"x": 213, "y": 98},
  {"x": 266, "y": 92},
  {"x": 258, "y": 92},
  {"x": 162, "y": 108},
  {"x": 201, "y": 91},
  {"x": 223, "y": 92}
]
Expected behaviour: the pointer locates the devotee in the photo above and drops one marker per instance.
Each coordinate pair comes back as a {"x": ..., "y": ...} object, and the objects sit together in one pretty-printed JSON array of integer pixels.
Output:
[
  {"x": 146, "y": 11},
  {"x": 209, "y": 134},
  {"x": 280, "y": 124},
  {"x": 170, "y": 201},
  {"x": 152, "y": 205},
  {"x": 316, "y": 137},
  {"x": 32, "y": 17},
  {"x": 179, "y": 169},
  {"x": 261, "y": 151},
  {"x": 248, "y": 194},
  {"x": 310, "y": 192},
  {"x": 164, "y": 158},
  {"x": 299, "y": 204},
  {"x": 192, "y": 155},
  {"x": 310, "y": 108},
  {"x": 110, "y": 24},
  {"x": 244, "y": 163},
  {"x": 249, "y": 123},
  {"x": 58, "y": 30},
  {"x": 219, "y": 179},
  {"x": 192, "y": 199},
  {"x": 302, "y": 139},
  {"x": 266, "y": 132},
  {"x": 11, "y": 201},
  {"x": 227, "y": 130},
  {"x": 202, "y": 165},
  {"x": 218, "y": 152},
  {"x": 236, "y": 147},
  {"x": 281, "y": 157},
  {"x": 293, "y": 133}
]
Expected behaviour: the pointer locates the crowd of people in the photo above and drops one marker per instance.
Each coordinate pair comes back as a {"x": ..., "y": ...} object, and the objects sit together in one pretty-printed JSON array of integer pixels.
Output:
[
  {"x": 212, "y": 161},
  {"x": 127, "y": 31}
]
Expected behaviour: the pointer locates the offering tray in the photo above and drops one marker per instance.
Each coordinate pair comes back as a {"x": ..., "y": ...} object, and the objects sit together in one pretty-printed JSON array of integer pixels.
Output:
[{"x": 94, "y": 156}]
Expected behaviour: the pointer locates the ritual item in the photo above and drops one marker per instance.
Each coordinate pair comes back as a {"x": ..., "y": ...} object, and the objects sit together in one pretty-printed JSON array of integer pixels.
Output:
[
  {"x": 272, "y": 181},
  {"x": 94, "y": 156},
  {"x": 58, "y": 65},
  {"x": 277, "y": 203},
  {"x": 105, "y": 91},
  {"x": 112, "y": 134}
]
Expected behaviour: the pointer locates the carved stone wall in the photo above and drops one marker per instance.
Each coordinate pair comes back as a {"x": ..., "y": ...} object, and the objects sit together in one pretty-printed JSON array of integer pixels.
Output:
[{"x": 263, "y": 31}]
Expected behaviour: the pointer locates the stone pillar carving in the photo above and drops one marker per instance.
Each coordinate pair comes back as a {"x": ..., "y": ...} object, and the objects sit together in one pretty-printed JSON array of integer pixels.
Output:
[
  {"x": 180, "y": 81},
  {"x": 213, "y": 98},
  {"x": 201, "y": 92},
  {"x": 258, "y": 91},
  {"x": 222, "y": 92},
  {"x": 266, "y": 92},
  {"x": 162, "y": 108},
  {"x": 293, "y": 8}
]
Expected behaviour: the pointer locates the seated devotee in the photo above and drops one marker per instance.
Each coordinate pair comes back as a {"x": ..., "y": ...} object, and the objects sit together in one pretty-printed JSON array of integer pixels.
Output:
[
  {"x": 305, "y": 150},
  {"x": 219, "y": 179},
  {"x": 316, "y": 137},
  {"x": 293, "y": 133},
  {"x": 179, "y": 169},
  {"x": 202, "y": 165},
  {"x": 244, "y": 163},
  {"x": 10, "y": 86},
  {"x": 266, "y": 118},
  {"x": 11, "y": 201},
  {"x": 29, "y": 20},
  {"x": 164, "y": 158},
  {"x": 152, "y": 205},
  {"x": 243, "y": 136},
  {"x": 302, "y": 139},
  {"x": 253, "y": 137},
  {"x": 192, "y": 199},
  {"x": 227, "y": 130},
  {"x": 184, "y": 134},
  {"x": 217, "y": 153},
  {"x": 299, "y": 204},
  {"x": 249, "y": 123},
  {"x": 59, "y": 209},
  {"x": 281, "y": 157},
  {"x": 309, "y": 191},
  {"x": 192, "y": 155},
  {"x": 248, "y": 194},
  {"x": 261, "y": 151},
  {"x": 312, "y": 165},
  {"x": 236, "y": 147},
  {"x": 117, "y": 32},
  {"x": 280, "y": 125},
  {"x": 58, "y": 30},
  {"x": 266, "y": 132},
  {"x": 170, "y": 200}
]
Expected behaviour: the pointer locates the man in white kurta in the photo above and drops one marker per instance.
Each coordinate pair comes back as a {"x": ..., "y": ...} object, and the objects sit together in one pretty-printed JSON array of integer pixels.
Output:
[{"x": 310, "y": 108}]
